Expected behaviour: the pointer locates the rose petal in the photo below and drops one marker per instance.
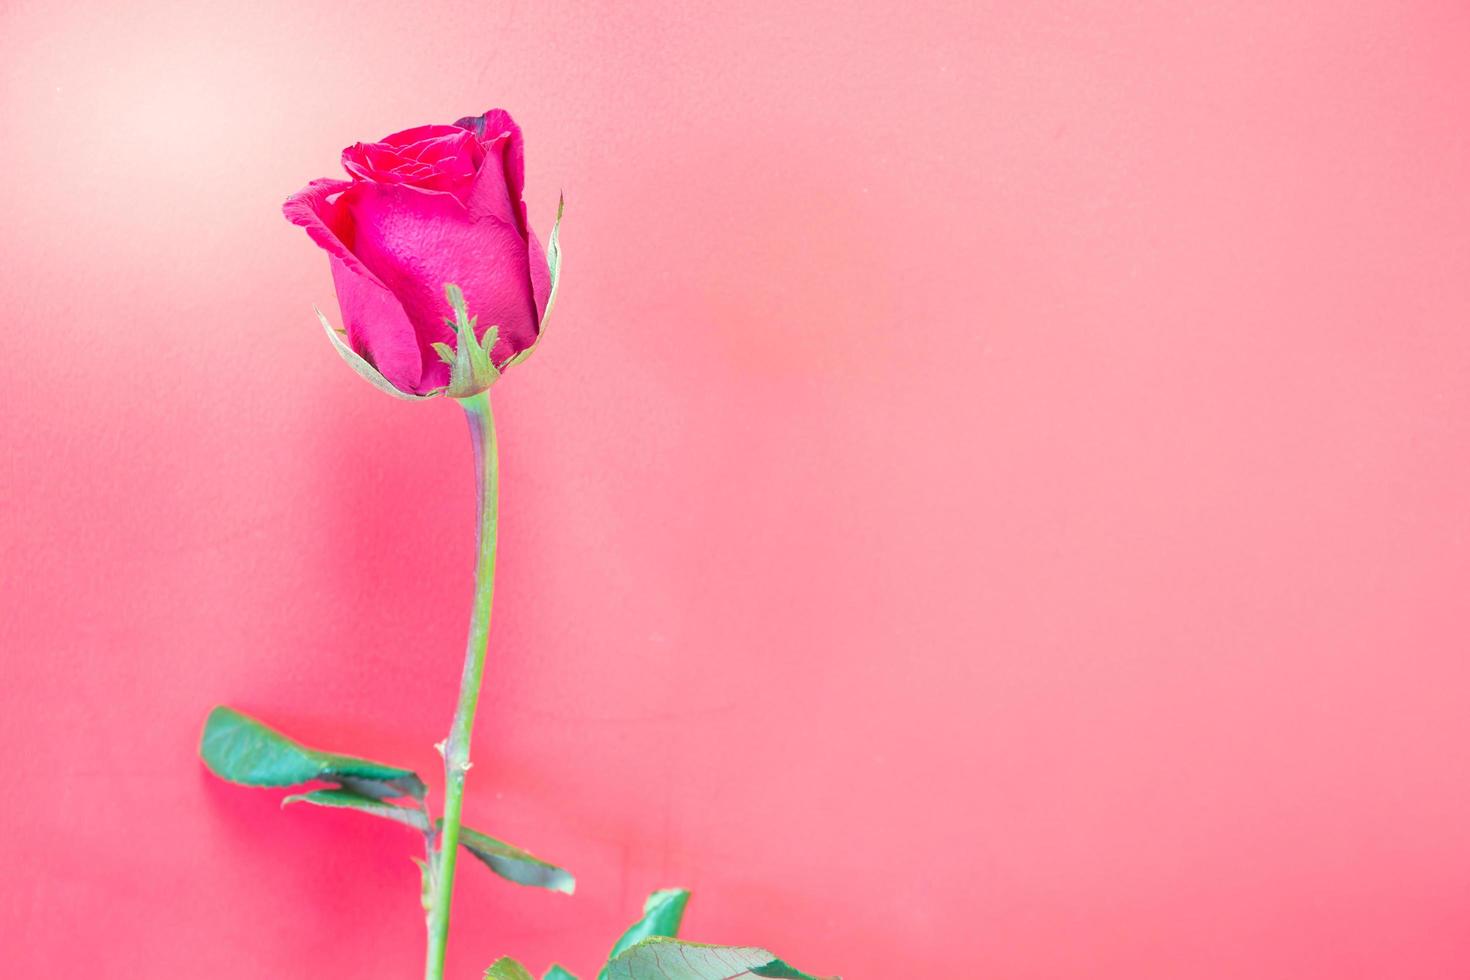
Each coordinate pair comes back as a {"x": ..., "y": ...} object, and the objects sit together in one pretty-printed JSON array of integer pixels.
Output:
[
  {"x": 416, "y": 241},
  {"x": 407, "y": 137},
  {"x": 325, "y": 219},
  {"x": 489, "y": 196},
  {"x": 501, "y": 138},
  {"x": 497, "y": 129},
  {"x": 446, "y": 158},
  {"x": 377, "y": 327}
]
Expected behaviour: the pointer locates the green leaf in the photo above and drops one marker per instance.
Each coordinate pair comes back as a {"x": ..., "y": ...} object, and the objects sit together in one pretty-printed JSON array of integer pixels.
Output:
[
  {"x": 662, "y": 913},
  {"x": 514, "y": 864},
  {"x": 557, "y": 973},
  {"x": 507, "y": 969},
  {"x": 359, "y": 364},
  {"x": 670, "y": 959},
  {"x": 240, "y": 749},
  {"x": 411, "y": 816},
  {"x": 553, "y": 263},
  {"x": 376, "y": 790}
]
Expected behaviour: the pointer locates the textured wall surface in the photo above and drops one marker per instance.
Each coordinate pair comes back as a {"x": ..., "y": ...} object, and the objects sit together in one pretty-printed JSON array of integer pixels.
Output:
[{"x": 994, "y": 500}]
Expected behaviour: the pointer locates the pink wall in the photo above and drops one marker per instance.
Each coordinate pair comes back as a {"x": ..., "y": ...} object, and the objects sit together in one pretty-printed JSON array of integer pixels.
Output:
[{"x": 995, "y": 501}]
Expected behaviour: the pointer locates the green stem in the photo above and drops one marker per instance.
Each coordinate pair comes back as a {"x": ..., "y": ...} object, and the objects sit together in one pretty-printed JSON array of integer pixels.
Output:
[{"x": 457, "y": 746}]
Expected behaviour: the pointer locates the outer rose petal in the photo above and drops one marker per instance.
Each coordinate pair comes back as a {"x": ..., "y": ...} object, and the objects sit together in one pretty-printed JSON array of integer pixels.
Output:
[
  {"x": 491, "y": 128},
  {"x": 501, "y": 138},
  {"x": 489, "y": 195},
  {"x": 325, "y": 219},
  {"x": 415, "y": 241},
  {"x": 377, "y": 326}
]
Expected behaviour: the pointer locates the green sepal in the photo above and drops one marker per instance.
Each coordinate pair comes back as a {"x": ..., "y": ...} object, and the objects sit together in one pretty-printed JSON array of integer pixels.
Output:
[
  {"x": 663, "y": 911},
  {"x": 359, "y": 364},
  {"x": 553, "y": 263},
  {"x": 471, "y": 370},
  {"x": 661, "y": 958},
  {"x": 240, "y": 749},
  {"x": 346, "y": 799},
  {"x": 557, "y": 972},
  {"x": 506, "y": 968},
  {"x": 514, "y": 864}
]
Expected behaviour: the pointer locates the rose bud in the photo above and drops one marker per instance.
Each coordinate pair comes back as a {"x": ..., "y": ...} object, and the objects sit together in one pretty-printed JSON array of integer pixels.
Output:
[{"x": 432, "y": 226}]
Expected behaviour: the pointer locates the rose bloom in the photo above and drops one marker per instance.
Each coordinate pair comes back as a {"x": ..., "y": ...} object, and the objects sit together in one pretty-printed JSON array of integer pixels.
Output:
[{"x": 426, "y": 207}]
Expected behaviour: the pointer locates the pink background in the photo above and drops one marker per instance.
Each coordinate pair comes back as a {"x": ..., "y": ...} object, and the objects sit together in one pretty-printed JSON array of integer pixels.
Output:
[{"x": 994, "y": 502}]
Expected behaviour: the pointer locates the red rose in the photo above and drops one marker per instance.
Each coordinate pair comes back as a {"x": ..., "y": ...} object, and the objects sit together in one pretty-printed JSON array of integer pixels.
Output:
[{"x": 428, "y": 208}]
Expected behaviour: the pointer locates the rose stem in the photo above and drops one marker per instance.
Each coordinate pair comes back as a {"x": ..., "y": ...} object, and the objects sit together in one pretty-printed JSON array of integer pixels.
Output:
[{"x": 457, "y": 746}]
